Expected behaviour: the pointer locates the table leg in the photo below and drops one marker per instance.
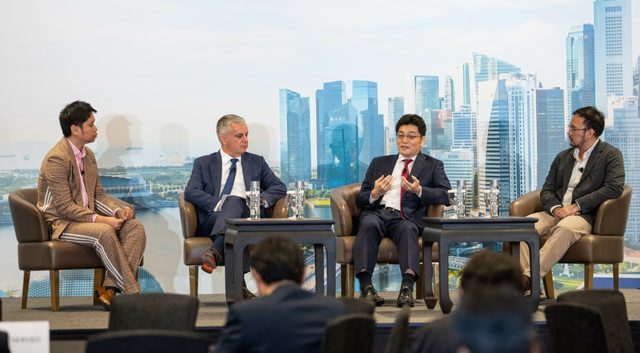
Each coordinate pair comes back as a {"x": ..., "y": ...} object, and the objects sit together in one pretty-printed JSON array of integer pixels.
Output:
[
  {"x": 228, "y": 273},
  {"x": 331, "y": 267},
  {"x": 238, "y": 259},
  {"x": 318, "y": 253},
  {"x": 445, "y": 301},
  {"x": 534, "y": 255},
  {"x": 430, "y": 299}
]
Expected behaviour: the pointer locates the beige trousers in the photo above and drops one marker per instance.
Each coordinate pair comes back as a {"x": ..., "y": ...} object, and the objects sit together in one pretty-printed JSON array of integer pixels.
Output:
[{"x": 557, "y": 236}]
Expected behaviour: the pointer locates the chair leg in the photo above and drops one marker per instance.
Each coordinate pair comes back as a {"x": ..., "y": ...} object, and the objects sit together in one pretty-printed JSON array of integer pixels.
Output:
[
  {"x": 193, "y": 280},
  {"x": 54, "y": 279},
  {"x": 616, "y": 276},
  {"x": 348, "y": 279},
  {"x": 547, "y": 282},
  {"x": 98, "y": 279},
  {"x": 420, "y": 284},
  {"x": 25, "y": 288},
  {"x": 588, "y": 276}
]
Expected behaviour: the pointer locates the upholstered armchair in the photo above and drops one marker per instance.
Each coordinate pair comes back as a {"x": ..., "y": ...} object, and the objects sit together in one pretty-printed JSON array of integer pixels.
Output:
[
  {"x": 346, "y": 215},
  {"x": 195, "y": 245},
  {"x": 605, "y": 244}
]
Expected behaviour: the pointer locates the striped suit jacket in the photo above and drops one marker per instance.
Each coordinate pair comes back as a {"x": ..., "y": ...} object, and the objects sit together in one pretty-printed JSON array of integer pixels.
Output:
[{"x": 59, "y": 190}]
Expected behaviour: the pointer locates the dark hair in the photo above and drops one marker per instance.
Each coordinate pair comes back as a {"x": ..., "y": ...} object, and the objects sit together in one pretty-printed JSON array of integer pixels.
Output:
[
  {"x": 593, "y": 118},
  {"x": 75, "y": 113},
  {"x": 277, "y": 259},
  {"x": 488, "y": 268},
  {"x": 412, "y": 119},
  {"x": 494, "y": 320}
]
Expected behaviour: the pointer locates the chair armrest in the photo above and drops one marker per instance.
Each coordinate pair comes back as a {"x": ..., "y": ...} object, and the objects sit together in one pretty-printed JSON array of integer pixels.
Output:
[
  {"x": 435, "y": 210},
  {"x": 611, "y": 218},
  {"x": 341, "y": 211},
  {"x": 188, "y": 217},
  {"x": 526, "y": 204},
  {"x": 28, "y": 222},
  {"x": 280, "y": 209}
]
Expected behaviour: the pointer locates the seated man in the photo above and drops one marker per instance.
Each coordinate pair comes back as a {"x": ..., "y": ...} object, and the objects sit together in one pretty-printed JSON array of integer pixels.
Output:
[
  {"x": 394, "y": 197},
  {"x": 485, "y": 269},
  {"x": 286, "y": 318},
  {"x": 79, "y": 211},
  {"x": 580, "y": 179},
  {"x": 229, "y": 173}
]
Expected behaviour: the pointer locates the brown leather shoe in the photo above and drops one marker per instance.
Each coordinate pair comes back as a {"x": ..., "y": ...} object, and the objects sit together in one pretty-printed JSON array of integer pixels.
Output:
[
  {"x": 246, "y": 294},
  {"x": 210, "y": 260},
  {"x": 106, "y": 297}
]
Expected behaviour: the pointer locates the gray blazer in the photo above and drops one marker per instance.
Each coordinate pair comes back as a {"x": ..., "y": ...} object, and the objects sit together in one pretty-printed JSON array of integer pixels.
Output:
[{"x": 602, "y": 179}]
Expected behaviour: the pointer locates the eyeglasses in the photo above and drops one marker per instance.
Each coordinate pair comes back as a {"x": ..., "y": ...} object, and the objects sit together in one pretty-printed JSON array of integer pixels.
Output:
[
  {"x": 410, "y": 137},
  {"x": 572, "y": 128}
]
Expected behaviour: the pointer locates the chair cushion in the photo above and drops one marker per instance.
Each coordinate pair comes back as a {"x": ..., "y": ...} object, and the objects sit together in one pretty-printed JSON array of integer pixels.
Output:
[
  {"x": 194, "y": 248},
  {"x": 387, "y": 252},
  {"x": 56, "y": 255}
]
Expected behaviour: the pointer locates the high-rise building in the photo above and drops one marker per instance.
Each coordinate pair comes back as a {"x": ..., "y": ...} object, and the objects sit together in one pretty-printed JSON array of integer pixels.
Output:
[
  {"x": 364, "y": 100},
  {"x": 612, "y": 25},
  {"x": 295, "y": 134},
  {"x": 462, "y": 85},
  {"x": 449, "y": 94},
  {"x": 485, "y": 68},
  {"x": 427, "y": 97},
  {"x": 624, "y": 133},
  {"x": 441, "y": 130},
  {"x": 458, "y": 165},
  {"x": 396, "y": 110},
  {"x": 580, "y": 69},
  {"x": 464, "y": 133},
  {"x": 636, "y": 79},
  {"x": 550, "y": 125},
  {"x": 329, "y": 102}
]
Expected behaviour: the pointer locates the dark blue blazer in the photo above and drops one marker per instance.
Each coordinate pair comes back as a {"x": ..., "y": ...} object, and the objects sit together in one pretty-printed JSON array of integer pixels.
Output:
[
  {"x": 290, "y": 320},
  {"x": 428, "y": 170},
  {"x": 204, "y": 186}
]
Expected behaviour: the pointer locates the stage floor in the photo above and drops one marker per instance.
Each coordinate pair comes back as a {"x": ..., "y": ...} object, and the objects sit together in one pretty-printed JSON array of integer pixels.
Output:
[{"x": 78, "y": 319}]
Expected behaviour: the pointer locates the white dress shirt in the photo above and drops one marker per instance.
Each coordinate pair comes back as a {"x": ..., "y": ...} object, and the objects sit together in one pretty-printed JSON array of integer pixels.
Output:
[
  {"x": 392, "y": 197},
  {"x": 576, "y": 174},
  {"x": 239, "y": 188}
]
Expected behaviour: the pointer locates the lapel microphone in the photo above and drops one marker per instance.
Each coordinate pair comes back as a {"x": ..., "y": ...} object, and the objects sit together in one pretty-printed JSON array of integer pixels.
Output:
[
  {"x": 82, "y": 172},
  {"x": 580, "y": 169}
]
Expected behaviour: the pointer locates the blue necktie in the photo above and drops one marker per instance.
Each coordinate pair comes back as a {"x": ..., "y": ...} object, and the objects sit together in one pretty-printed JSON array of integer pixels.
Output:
[{"x": 228, "y": 185}]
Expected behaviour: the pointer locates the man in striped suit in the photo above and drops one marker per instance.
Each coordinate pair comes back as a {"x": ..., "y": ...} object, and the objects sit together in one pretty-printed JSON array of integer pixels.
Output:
[{"x": 79, "y": 211}]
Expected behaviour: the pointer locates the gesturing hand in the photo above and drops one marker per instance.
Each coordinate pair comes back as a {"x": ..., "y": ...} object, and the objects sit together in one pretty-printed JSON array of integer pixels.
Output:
[
  {"x": 381, "y": 186},
  {"x": 413, "y": 186}
]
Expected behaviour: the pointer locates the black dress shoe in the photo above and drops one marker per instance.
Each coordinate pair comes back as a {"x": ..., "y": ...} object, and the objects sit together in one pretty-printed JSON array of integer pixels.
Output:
[
  {"x": 369, "y": 293},
  {"x": 405, "y": 297},
  {"x": 246, "y": 294},
  {"x": 525, "y": 283}
]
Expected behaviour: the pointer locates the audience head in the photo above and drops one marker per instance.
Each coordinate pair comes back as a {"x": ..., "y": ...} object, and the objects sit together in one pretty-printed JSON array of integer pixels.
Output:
[
  {"x": 277, "y": 259},
  {"x": 233, "y": 135},
  {"x": 494, "y": 319},
  {"x": 488, "y": 269},
  {"x": 75, "y": 114},
  {"x": 593, "y": 119}
]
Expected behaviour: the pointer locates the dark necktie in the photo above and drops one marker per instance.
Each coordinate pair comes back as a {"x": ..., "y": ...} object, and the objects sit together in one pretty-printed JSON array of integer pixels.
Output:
[
  {"x": 405, "y": 174},
  {"x": 228, "y": 185}
]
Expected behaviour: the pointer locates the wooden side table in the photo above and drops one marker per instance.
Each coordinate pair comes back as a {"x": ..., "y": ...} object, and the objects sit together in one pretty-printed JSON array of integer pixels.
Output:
[
  {"x": 445, "y": 231},
  {"x": 242, "y": 232}
]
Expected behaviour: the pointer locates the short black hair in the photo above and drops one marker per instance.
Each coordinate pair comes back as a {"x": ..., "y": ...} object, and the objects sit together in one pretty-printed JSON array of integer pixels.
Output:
[
  {"x": 277, "y": 259},
  {"x": 494, "y": 320},
  {"x": 412, "y": 119},
  {"x": 593, "y": 118},
  {"x": 75, "y": 113},
  {"x": 488, "y": 268}
]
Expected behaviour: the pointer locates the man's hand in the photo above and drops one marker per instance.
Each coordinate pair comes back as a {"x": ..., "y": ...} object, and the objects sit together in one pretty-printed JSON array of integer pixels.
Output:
[
  {"x": 125, "y": 214},
  {"x": 381, "y": 186},
  {"x": 566, "y": 211},
  {"x": 413, "y": 187},
  {"x": 114, "y": 222}
]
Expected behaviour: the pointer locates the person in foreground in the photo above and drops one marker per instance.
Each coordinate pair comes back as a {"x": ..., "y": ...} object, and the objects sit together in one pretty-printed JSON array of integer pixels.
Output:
[
  {"x": 580, "y": 179},
  {"x": 485, "y": 269},
  {"x": 285, "y": 318},
  {"x": 218, "y": 186},
  {"x": 394, "y": 197},
  {"x": 79, "y": 211}
]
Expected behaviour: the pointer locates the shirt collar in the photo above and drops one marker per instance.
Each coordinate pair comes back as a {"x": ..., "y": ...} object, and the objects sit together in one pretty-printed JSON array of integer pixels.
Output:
[
  {"x": 227, "y": 158},
  {"x": 401, "y": 158},
  {"x": 76, "y": 152},
  {"x": 576, "y": 152}
]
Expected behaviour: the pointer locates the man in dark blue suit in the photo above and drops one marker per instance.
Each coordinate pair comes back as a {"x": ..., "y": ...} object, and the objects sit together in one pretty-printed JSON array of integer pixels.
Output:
[
  {"x": 394, "y": 197},
  {"x": 286, "y": 318},
  {"x": 219, "y": 182}
]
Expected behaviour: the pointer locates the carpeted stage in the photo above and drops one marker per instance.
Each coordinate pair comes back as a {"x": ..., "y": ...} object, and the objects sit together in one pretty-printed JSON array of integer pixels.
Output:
[{"x": 78, "y": 319}]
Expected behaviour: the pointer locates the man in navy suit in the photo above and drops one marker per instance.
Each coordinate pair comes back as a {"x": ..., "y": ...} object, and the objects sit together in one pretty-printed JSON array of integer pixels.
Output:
[
  {"x": 394, "y": 197},
  {"x": 286, "y": 318},
  {"x": 229, "y": 173}
]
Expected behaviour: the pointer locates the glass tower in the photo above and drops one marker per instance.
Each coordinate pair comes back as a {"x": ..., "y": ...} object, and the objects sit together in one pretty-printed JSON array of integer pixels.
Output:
[
  {"x": 580, "y": 69},
  {"x": 396, "y": 110},
  {"x": 295, "y": 134},
  {"x": 550, "y": 124}
]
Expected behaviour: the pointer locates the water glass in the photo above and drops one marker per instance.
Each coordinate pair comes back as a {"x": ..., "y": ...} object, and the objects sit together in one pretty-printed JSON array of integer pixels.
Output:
[
  {"x": 253, "y": 200},
  {"x": 453, "y": 202},
  {"x": 295, "y": 199}
]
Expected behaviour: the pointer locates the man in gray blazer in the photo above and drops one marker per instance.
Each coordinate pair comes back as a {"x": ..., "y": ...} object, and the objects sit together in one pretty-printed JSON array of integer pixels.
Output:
[{"x": 580, "y": 179}]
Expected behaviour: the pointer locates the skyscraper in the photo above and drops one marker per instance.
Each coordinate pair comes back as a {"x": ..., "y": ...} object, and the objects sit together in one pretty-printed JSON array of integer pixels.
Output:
[
  {"x": 427, "y": 97},
  {"x": 580, "y": 69},
  {"x": 370, "y": 124},
  {"x": 624, "y": 133},
  {"x": 612, "y": 50},
  {"x": 636, "y": 78},
  {"x": 464, "y": 132},
  {"x": 295, "y": 134},
  {"x": 396, "y": 110},
  {"x": 329, "y": 100},
  {"x": 550, "y": 125},
  {"x": 449, "y": 97}
]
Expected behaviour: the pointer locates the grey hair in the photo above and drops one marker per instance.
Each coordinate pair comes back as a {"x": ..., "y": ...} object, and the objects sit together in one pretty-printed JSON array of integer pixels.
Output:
[{"x": 226, "y": 120}]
